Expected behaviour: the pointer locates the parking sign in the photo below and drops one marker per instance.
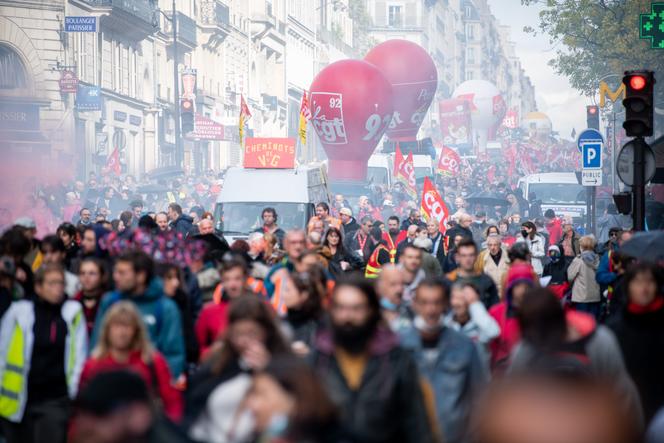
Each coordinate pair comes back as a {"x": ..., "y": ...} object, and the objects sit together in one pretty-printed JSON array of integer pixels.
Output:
[{"x": 592, "y": 155}]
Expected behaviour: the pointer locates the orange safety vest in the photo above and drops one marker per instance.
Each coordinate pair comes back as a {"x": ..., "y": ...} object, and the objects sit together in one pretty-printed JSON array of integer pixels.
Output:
[
  {"x": 256, "y": 286},
  {"x": 373, "y": 267}
]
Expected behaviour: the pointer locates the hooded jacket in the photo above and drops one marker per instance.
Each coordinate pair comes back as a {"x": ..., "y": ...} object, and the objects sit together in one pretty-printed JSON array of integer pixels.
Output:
[
  {"x": 183, "y": 225},
  {"x": 162, "y": 319},
  {"x": 581, "y": 274}
]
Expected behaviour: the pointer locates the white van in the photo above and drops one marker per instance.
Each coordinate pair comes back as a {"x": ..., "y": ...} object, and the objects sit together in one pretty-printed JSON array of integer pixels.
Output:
[
  {"x": 423, "y": 167},
  {"x": 293, "y": 193},
  {"x": 559, "y": 191},
  {"x": 380, "y": 169}
]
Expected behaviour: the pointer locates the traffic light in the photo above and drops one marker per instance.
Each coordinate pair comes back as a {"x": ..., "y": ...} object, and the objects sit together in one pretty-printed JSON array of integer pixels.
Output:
[
  {"x": 187, "y": 115},
  {"x": 638, "y": 103},
  {"x": 592, "y": 117}
]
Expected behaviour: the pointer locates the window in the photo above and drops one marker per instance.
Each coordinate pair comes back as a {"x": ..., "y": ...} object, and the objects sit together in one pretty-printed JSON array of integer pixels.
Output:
[
  {"x": 470, "y": 32},
  {"x": 470, "y": 55},
  {"x": 394, "y": 16},
  {"x": 470, "y": 75}
]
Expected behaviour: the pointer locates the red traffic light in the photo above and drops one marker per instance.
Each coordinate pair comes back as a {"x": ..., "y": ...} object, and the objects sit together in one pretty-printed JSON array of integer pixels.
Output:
[
  {"x": 592, "y": 109},
  {"x": 637, "y": 82},
  {"x": 186, "y": 104}
]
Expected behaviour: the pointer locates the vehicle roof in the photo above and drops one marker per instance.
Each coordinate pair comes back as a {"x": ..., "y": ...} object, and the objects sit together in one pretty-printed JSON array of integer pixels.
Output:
[
  {"x": 551, "y": 177},
  {"x": 266, "y": 185}
]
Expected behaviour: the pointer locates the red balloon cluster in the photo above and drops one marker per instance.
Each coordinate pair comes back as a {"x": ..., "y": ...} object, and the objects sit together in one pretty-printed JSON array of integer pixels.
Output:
[{"x": 355, "y": 102}]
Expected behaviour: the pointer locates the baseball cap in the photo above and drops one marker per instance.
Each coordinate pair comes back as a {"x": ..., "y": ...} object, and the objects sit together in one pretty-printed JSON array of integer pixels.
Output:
[{"x": 346, "y": 211}]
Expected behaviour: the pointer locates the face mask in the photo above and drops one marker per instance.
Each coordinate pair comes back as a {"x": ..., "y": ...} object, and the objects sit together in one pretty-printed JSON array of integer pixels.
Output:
[
  {"x": 478, "y": 222},
  {"x": 388, "y": 305},
  {"x": 278, "y": 425},
  {"x": 524, "y": 233},
  {"x": 554, "y": 258},
  {"x": 422, "y": 326}
]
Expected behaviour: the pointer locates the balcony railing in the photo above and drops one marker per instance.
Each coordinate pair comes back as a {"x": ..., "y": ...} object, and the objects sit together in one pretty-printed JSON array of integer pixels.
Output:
[
  {"x": 215, "y": 13},
  {"x": 186, "y": 28},
  {"x": 142, "y": 9}
]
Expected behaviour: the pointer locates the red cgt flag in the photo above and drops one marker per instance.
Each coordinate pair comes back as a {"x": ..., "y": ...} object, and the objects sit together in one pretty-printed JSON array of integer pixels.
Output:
[
  {"x": 449, "y": 162},
  {"x": 113, "y": 162},
  {"x": 433, "y": 206},
  {"x": 404, "y": 171}
]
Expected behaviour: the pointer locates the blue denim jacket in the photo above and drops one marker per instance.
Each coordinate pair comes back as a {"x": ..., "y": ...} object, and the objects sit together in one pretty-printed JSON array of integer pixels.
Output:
[{"x": 456, "y": 374}]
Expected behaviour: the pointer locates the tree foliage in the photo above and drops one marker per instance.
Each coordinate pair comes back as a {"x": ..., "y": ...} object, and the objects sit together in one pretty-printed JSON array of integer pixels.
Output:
[
  {"x": 362, "y": 23},
  {"x": 595, "y": 38}
]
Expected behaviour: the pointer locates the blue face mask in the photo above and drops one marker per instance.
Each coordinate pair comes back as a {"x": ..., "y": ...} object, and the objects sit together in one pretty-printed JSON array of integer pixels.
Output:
[
  {"x": 278, "y": 425},
  {"x": 554, "y": 258},
  {"x": 388, "y": 305}
]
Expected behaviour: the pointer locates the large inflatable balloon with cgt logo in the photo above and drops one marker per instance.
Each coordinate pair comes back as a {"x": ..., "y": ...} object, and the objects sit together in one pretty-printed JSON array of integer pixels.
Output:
[
  {"x": 412, "y": 73},
  {"x": 351, "y": 107}
]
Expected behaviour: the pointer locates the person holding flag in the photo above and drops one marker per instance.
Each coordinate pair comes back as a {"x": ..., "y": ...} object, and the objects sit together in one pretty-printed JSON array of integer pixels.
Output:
[{"x": 245, "y": 115}]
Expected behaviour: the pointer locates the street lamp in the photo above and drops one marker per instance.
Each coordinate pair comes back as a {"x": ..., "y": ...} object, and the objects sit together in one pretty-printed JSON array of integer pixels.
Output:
[{"x": 179, "y": 154}]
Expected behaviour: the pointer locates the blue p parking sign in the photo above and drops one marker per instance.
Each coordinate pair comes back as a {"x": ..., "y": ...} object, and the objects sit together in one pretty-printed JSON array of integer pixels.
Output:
[{"x": 592, "y": 155}]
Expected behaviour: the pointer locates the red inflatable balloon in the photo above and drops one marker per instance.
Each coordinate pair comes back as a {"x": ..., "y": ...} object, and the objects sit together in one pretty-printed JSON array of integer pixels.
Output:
[
  {"x": 351, "y": 107},
  {"x": 412, "y": 73}
]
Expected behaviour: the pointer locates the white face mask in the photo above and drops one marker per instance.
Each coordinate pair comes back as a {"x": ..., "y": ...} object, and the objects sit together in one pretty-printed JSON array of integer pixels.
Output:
[{"x": 422, "y": 326}]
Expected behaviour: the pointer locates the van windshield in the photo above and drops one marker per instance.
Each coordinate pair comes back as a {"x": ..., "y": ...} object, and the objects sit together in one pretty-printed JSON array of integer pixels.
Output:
[
  {"x": 553, "y": 193},
  {"x": 421, "y": 172},
  {"x": 377, "y": 175},
  {"x": 245, "y": 217}
]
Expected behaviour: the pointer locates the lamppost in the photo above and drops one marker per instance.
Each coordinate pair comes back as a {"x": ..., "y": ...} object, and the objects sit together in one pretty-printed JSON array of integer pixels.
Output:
[{"x": 179, "y": 154}]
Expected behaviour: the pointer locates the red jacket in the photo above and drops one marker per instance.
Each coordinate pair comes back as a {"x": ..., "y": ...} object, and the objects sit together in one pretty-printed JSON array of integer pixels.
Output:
[
  {"x": 510, "y": 334},
  {"x": 555, "y": 229},
  {"x": 170, "y": 397},
  {"x": 211, "y": 324}
]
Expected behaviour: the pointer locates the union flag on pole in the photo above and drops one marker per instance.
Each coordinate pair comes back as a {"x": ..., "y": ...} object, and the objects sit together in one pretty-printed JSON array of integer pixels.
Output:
[
  {"x": 305, "y": 116},
  {"x": 244, "y": 116},
  {"x": 404, "y": 171},
  {"x": 449, "y": 162},
  {"x": 433, "y": 206},
  {"x": 113, "y": 162}
]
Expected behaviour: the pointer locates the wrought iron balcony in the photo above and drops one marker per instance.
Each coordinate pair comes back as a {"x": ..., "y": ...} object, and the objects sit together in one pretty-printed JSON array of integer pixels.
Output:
[
  {"x": 186, "y": 30},
  {"x": 215, "y": 14},
  {"x": 135, "y": 10}
]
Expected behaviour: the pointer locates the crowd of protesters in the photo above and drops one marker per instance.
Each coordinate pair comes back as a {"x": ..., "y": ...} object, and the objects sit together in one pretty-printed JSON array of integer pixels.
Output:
[{"x": 135, "y": 320}]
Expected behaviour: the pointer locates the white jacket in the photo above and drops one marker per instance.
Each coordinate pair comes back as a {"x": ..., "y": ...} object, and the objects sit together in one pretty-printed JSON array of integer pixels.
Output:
[{"x": 536, "y": 248}]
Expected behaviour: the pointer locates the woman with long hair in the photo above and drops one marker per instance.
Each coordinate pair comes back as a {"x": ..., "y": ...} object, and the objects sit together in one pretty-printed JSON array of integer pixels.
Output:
[
  {"x": 124, "y": 343},
  {"x": 342, "y": 260},
  {"x": 289, "y": 404},
  {"x": 217, "y": 391}
]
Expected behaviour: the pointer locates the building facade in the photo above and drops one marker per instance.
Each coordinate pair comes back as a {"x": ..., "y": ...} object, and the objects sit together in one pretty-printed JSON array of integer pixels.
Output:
[{"x": 266, "y": 51}]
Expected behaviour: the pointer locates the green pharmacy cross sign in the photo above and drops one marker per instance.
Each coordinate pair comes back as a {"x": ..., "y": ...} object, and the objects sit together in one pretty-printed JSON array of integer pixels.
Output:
[{"x": 652, "y": 25}]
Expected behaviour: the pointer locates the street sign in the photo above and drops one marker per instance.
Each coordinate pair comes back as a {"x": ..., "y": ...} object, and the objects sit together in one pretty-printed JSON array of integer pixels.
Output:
[
  {"x": 591, "y": 177},
  {"x": 68, "y": 81},
  {"x": 588, "y": 136},
  {"x": 625, "y": 163},
  {"x": 592, "y": 155},
  {"x": 88, "y": 98},
  {"x": 80, "y": 24}
]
